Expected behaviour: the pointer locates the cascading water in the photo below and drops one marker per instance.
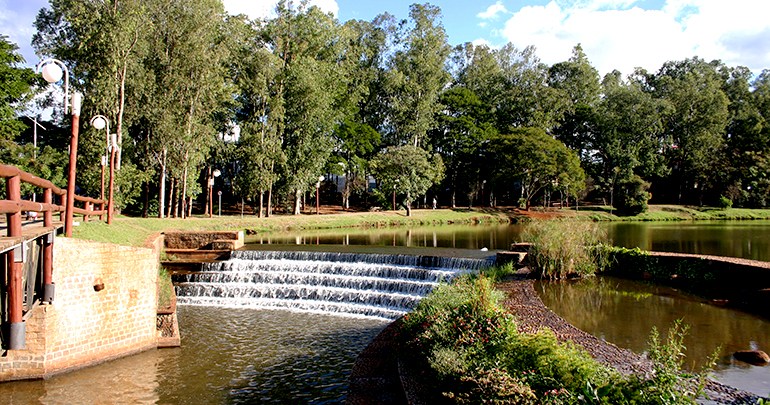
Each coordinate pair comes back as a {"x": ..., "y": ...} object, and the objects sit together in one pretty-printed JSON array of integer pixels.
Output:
[{"x": 350, "y": 284}]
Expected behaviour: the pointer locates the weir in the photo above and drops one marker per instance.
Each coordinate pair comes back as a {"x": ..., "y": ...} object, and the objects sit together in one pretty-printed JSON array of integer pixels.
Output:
[{"x": 348, "y": 284}]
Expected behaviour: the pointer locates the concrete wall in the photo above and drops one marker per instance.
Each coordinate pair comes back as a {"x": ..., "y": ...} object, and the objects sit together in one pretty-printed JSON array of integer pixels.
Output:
[{"x": 84, "y": 326}]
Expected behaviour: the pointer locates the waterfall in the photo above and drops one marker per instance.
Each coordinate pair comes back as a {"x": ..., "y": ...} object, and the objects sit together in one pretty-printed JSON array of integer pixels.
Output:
[{"x": 347, "y": 284}]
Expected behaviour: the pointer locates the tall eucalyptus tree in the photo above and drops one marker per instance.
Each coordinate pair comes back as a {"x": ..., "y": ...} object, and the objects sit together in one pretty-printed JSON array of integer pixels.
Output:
[
  {"x": 416, "y": 76},
  {"x": 310, "y": 85}
]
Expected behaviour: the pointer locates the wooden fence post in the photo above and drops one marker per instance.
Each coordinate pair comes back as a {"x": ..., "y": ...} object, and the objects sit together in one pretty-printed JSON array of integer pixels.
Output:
[
  {"x": 48, "y": 287},
  {"x": 17, "y": 337}
]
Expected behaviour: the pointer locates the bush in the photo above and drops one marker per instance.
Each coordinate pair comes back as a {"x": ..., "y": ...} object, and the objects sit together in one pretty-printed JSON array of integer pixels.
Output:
[
  {"x": 565, "y": 248},
  {"x": 633, "y": 196},
  {"x": 725, "y": 203}
]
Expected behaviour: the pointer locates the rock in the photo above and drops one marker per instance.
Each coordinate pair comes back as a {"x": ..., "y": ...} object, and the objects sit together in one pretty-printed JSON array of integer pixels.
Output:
[
  {"x": 521, "y": 247},
  {"x": 754, "y": 357}
]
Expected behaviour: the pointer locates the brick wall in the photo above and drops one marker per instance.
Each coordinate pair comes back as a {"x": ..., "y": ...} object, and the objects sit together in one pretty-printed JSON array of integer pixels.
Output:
[{"x": 85, "y": 326}]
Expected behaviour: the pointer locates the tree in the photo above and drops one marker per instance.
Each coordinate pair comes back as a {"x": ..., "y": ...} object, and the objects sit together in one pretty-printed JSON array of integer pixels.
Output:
[
  {"x": 311, "y": 83},
  {"x": 258, "y": 111},
  {"x": 580, "y": 82},
  {"x": 15, "y": 91},
  {"x": 696, "y": 124},
  {"x": 417, "y": 76},
  {"x": 460, "y": 137},
  {"x": 188, "y": 73},
  {"x": 536, "y": 161},
  {"x": 357, "y": 142},
  {"x": 101, "y": 43},
  {"x": 526, "y": 99},
  {"x": 628, "y": 136},
  {"x": 408, "y": 170}
]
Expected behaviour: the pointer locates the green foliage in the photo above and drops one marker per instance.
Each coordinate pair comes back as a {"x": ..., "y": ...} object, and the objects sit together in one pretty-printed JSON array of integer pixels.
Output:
[
  {"x": 16, "y": 89},
  {"x": 471, "y": 346},
  {"x": 409, "y": 170},
  {"x": 165, "y": 289},
  {"x": 562, "y": 249},
  {"x": 633, "y": 196},
  {"x": 725, "y": 202},
  {"x": 417, "y": 76},
  {"x": 537, "y": 161}
]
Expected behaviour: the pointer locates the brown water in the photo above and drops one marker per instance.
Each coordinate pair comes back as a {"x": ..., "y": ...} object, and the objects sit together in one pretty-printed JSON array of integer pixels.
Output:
[
  {"x": 232, "y": 356},
  {"x": 624, "y": 312},
  {"x": 745, "y": 239}
]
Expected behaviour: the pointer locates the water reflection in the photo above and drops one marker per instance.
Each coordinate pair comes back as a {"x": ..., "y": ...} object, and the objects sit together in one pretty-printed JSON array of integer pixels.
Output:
[
  {"x": 227, "y": 356},
  {"x": 447, "y": 236},
  {"x": 623, "y": 312},
  {"x": 745, "y": 239}
]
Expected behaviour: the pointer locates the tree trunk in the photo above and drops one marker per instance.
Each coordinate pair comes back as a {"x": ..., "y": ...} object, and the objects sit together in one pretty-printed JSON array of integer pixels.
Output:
[
  {"x": 172, "y": 183},
  {"x": 270, "y": 201},
  {"x": 162, "y": 192},
  {"x": 261, "y": 202},
  {"x": 146, "y": 207},
  {"x": 183, "y": 200}
]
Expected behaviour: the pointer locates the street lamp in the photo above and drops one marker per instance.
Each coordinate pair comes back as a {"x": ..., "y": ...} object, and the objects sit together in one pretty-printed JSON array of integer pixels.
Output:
[
  {"x": 101, "y": 122},
  {"x": 317, "y": 194},
  {"x": 394, "y": 194},
  {"x": 52, "y": 71},
  {"x": 215, "y": 173}
]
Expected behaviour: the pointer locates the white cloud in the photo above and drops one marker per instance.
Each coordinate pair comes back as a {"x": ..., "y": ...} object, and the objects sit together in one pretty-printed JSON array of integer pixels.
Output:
[
  {"x": 615, "y": 34},
  {"x": 493, "y": 11},
  {"x": 266, "y": 8}
]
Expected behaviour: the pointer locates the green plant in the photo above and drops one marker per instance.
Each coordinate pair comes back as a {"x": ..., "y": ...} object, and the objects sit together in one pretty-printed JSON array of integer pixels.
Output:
[
  {"x": 633, "y": 196},
  {"x": 165, "y": 289},
  {"x": 565, "y": 248},
  {"x": 497, "y": 272},
  {"x": 725, "y": 203}
]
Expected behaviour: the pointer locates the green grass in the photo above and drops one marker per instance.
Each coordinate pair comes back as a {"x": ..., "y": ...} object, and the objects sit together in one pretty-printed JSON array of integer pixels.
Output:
[
  {"x": 676, "y": 213},
  {"x": 138, "y": 231}
]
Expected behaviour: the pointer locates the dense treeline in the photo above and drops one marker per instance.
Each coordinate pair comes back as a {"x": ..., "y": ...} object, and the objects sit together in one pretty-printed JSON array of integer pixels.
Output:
[{"x": 273, "y": 104}]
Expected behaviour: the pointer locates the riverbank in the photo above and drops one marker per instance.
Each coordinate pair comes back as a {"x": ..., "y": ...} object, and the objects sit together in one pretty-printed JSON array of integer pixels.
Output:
[
  {"x": 380, "y": 377},
  {"x": 136, "y": 231}
]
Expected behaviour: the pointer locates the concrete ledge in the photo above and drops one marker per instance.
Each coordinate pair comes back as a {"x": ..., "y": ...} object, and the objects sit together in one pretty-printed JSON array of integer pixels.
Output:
[{"x": 203, "y": 239}]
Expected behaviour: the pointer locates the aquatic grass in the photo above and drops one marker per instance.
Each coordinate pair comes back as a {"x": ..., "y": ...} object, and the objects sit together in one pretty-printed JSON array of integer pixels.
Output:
[{"x": 563, "y": 249}]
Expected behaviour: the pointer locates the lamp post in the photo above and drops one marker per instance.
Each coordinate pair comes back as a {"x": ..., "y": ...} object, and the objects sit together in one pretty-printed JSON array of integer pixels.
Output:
[
  {"x": 483, "y": 182},
  {"x": 101, "y": 122},
  {"x": 317, "y": 195},
  {"x": 52, "y": 71},
  {"x": 394, "y": 194},
  {"x": 215, "y": 173}
]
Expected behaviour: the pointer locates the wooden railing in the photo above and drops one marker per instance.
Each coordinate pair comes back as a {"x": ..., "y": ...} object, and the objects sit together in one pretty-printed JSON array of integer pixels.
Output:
[
  {"x": 22, "y": 288},
  {"x": 16, "y": 205}
]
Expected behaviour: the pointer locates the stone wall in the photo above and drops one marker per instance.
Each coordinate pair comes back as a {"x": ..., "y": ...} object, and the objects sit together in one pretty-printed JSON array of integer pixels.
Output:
[
  {"x": 230, "y": 240},
  {"x": 104, "y": 308}
]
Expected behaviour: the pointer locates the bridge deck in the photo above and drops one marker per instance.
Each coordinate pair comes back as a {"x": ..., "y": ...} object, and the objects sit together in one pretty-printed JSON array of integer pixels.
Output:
[{"x": 29, "y": 230}]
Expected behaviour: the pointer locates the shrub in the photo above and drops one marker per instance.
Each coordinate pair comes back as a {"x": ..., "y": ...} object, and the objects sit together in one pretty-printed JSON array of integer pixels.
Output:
[
  {"x": 725, "y": 203},
  {"x": 565, "y": 248},
  {"x": 633, "y": 196},
  {"x": 474, "y": 354}
]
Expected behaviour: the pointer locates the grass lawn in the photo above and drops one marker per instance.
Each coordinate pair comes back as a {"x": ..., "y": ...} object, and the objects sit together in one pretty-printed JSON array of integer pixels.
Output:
[{"x": 138, "y": 231}]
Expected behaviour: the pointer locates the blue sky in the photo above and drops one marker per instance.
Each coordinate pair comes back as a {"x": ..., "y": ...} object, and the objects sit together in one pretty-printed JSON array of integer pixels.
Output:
[{"x": 615, "y": 34}]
